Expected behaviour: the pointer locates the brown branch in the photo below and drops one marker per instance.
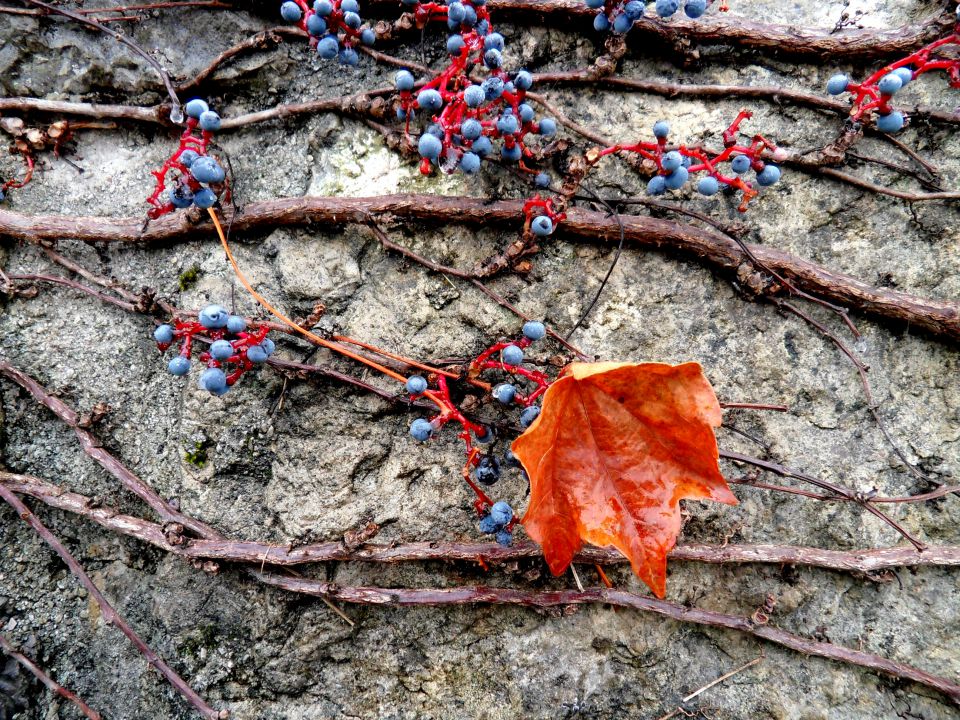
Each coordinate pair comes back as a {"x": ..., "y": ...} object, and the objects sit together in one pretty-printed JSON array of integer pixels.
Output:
[
  {"x": 93, "y": 448},
  {"x": 480, "y": 595},
  {"x": 769, "y": 93},
  {"x": 939, "y": 318},
  {"x": 866, "y": 561},
  {"x": 110, "y": 616},
  {"x": 119, "y": 37},
  {"x": 717, "y": 29},
  {"x": 153, "y": 115},
  {"x": 50, "y": 684}
]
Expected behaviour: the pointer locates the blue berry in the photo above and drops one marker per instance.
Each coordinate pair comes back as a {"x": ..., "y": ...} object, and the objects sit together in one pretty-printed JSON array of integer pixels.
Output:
[
  {"x": 181, "y": 197},
  {"x": 474, "y": 96},
  {"x": 213, "y": 380},
  {"x": 890, "y": 123},
  {"x": 207, "y": 170},
  {"x": 541, "y": 226},
  {"x": 542, "y": 180},
  {"x": 290, "y": 12},
  {"x": 187, "y": 157},
  {"x": 740, "y": 164},
  {"x": 528, "y": 416},
  {"x": 487, "y": 525},
  {"x": 657, "y": 185},
  {"x": 601, "y": 23},
  {"x": 470, "y": 163},
  {"x": 671, "y": 161},
  {"x": 416, "y": 384},
  {"x": 708, "y": 186},
  {"x": 838, "y": 84},
  {"x": 482, "y": 146},
  {"x": 493, "y": 59},
  {"x": 209, "y": 121},
  {"x": 493, "y": 41},
  {"x": 179, "y": 365},
  {"x": 236, "y": 324},
  {"x": 256, "y": 354},
  {"x": 661, "y": 129},
  {"x": 905, "y": 74},
  {"x": 163, "y": 334},
  {"x": 634, "y": 9},
  {"x": 508, "y": 124},
  {"x": 890, "y": 83},
  {"x": 268, "y": 346},
  {"x": 205, "y": 198},
  {"x": 323, "y": 7},
  {"x": 471, "y": 129},
  {"x": 677, "y": 179},
  {"x": 505, "y": 538},
  {"x": 534, "y": 330},
  {"x": 328, "y": 47},
  {"x": 501, "y": 512},
  {"x": 511, "y": 355},
  {"x": 523, "y": 80},
  {"x": 196, "y": 107},
  {"x": 421, "y": 429},
  {"x": 352, "y": 20},
  {"x": 622, "y": 24},
  {"x": 695, "y": 8},
  {"x": 316, "y": 25},
  {"x": 471, "y": 16},
  {"x": 526, "y": 113},
  {"x": 666, "y": 8},
  {"x": 769, "y": 175},
  {"x": 221, "y": 350},
  {"x": 368, "y": 37},
  {"x": 3, "y": 195},
  {"x": 435, "y": 130},
  {"x": 511, "y": 154},
  {"x": 213, "y": 317},
  {"x": 350, "y": 6},
  {"x": 595, "y": 4},
  {"x": 455, "y": 44},
  {"x": 348, "y": 56},
  {"x": 504, "y": 393},
  {"x": 429, "y": 146},
  {"x": 456, "y": 12},
  {"x": 510, "y": 460},
  {"x": 492, "y": 88},
  {"x": 404, "y": 80},
  {"x": 430, "y": 100},
  {"x": 488, "y": 470},
  {"x": 548, "y": 127},
  {"x": 486, "y": 436}
]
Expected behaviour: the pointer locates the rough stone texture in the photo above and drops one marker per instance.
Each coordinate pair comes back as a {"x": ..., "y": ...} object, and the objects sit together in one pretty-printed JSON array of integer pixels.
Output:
[{"x": 329, "y": 459}]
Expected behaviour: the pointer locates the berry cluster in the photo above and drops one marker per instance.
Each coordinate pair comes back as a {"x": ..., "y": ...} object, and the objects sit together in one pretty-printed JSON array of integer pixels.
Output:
[
  {"x": 499, "y": 521},
  {"x": 467, "y": 117},
  {"x": 522, "y": 389},
  {"x": 200, "y": 180},
  {"x": 334, "y": 27},
  {"x": 620, "y": 15},
  {"x": 234, "y": 349},
  {"x": 674, "y": 167},
  {"x": 875, "y": 93}
]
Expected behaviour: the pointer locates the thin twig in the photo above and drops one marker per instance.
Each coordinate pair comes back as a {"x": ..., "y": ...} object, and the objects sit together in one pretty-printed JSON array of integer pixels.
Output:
[
  {"x": 110, "y": 616},
  {"x": 49, "y": 682}
]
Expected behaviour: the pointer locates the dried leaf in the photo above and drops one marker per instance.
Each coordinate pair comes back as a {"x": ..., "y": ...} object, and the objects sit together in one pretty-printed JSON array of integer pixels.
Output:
[{"x": 616, "y": 447}]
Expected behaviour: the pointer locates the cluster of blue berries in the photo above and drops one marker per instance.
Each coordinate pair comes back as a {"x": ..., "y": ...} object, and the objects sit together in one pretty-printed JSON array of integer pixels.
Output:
[
  {"x": 620, "y": 16},
  {"x": 497, "y": 522},
  {"x": 234, "y": 346},
  {"x": 335, "y": 26},
  {"x": 875, "y": 95}
]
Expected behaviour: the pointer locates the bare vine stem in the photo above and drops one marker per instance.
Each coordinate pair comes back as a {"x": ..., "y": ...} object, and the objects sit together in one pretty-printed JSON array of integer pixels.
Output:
[
  {"x": 111, "y": 616},
  {"x": 51, "y": 684}
]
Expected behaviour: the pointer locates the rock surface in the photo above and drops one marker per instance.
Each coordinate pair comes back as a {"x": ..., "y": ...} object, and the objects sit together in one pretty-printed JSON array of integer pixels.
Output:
[{"x": 328, "y": 459}]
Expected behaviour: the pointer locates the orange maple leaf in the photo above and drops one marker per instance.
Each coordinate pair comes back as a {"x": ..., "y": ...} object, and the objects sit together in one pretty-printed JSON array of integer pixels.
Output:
[{"x": 616, "y": 447}]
